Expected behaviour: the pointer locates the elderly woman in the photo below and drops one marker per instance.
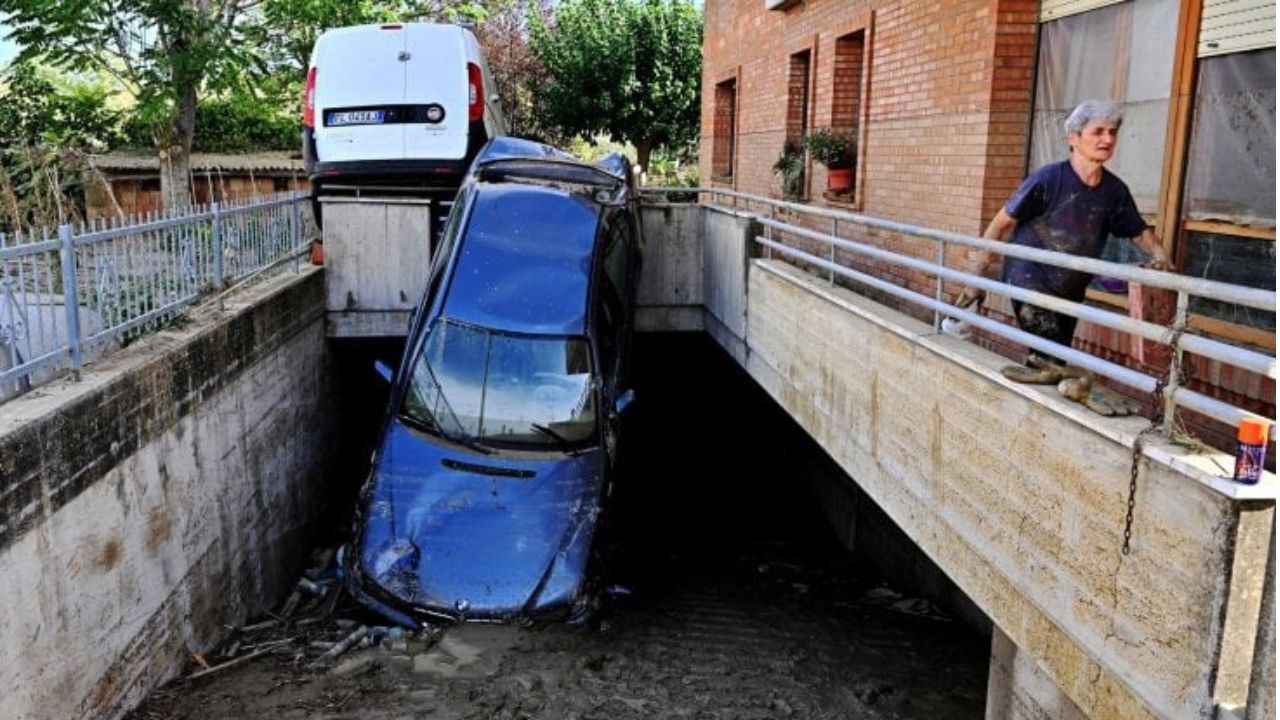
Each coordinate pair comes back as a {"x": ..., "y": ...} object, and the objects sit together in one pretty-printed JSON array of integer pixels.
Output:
[{"x": 1069, "y": 206}]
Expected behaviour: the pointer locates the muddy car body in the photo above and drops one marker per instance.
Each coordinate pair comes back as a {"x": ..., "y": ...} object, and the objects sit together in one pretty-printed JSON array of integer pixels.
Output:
[{"x": 489, "y": 482}]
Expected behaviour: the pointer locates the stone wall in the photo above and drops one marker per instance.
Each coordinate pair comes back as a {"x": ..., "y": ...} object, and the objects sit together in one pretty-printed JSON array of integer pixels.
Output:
[
  {"x": 1019, "y": 496},
  {"x": 169, "y": 492}
]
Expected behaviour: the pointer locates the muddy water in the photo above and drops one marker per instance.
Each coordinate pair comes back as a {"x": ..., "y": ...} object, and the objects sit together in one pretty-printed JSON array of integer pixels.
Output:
[{"x": 732, "y": 600}]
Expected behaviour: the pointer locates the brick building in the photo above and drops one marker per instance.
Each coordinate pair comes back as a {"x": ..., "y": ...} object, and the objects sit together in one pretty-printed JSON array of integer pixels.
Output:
[
  {"x": 130, "y": 183},
  {"x": 950, "y": 103}
]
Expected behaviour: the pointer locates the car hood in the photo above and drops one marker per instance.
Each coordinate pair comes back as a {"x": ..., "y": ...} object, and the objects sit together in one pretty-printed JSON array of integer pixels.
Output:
[{"x": 455, "y": 533}]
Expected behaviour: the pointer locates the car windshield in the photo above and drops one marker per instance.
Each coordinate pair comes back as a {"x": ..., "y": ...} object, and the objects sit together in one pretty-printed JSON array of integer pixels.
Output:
[{"x": 504, "y": 390}]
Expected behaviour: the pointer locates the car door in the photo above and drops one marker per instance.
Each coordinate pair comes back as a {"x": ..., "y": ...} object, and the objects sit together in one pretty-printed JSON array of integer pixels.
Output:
[
  {"x": 359, "y": 81},
  {"x": 436, "y": 93}
]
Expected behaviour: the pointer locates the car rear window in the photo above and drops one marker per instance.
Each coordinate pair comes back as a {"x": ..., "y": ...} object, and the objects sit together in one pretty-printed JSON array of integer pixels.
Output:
[{"x": 525, "y": 261}]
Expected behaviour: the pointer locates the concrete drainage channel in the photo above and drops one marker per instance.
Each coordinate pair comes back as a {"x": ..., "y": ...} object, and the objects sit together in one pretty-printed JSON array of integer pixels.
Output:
[{"x": 730, "y": 598}]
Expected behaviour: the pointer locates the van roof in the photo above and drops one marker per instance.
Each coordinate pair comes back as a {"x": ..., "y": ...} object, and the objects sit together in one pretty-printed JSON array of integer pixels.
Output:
[
  {"x": 380, "y": 27},
  {"x": 525, "y": 260}
]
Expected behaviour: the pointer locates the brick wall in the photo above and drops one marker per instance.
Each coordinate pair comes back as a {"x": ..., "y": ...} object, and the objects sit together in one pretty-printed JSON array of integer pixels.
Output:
[{"x": 943, "y": 127}]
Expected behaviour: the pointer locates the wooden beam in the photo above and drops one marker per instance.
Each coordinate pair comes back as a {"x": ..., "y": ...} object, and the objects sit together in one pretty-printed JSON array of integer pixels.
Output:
[
  {"x": 1226, "y": 228},
  {"x": 1178, "y": 127}
]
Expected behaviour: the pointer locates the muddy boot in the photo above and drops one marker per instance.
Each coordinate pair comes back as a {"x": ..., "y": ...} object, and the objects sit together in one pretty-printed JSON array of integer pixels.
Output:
[
  {"x": 1110, "y": 403},
  {"x": 1068, "y": 371},
  {"x": 1037, "y": 371},
  {"x": 1076, "y": 388},
  {"x": 1099, "y": 399}
]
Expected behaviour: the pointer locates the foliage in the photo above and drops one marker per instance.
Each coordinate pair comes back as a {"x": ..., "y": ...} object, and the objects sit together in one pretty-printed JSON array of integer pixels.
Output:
[
  {"x": 235, "y": 123},
  {"x": 163, "y": 53},
  {"x": 46, "y": 128},
  {"x": 832, "y": 149},
  {"x": 516, "y": 69},
  {"x": 670, "y": 170},
  {"x": 790, "y": 165},
  {"x": 626, "y": 68}
]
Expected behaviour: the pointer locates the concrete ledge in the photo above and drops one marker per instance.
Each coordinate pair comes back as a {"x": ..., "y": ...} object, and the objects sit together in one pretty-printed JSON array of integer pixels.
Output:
[
  {"x": 1020, "y": 497},
  {"x": 152, "y": 502}
]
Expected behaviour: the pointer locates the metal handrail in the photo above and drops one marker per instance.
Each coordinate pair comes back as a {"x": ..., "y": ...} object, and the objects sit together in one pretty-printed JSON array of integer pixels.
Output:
[
  {"x": 1182, "y": 285},
  {"x": 1211, "y": 289},
  {"x": 133, "y": 274}
]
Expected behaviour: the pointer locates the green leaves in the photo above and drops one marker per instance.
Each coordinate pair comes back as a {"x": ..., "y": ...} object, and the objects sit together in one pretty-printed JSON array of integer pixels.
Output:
[{"x": 630, "y": 69}]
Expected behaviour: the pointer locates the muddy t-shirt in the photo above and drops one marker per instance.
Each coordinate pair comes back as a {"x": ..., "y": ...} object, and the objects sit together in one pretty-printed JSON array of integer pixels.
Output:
[{"x": 1055, "y": 210}]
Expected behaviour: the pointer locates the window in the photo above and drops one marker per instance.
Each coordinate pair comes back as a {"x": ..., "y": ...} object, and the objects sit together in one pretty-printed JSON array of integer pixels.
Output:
[
  {"x": 1124, "y": 53},
  {"x": 1229, "y": 201},
  {"x": 846, "y": 91},
  {"x": 723, "y": 138},
  {"x": 798, "y": 97}
]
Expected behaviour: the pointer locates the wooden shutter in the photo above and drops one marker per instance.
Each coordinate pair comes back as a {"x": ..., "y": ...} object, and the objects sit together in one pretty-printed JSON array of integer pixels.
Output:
[
  {"x": 1054, "y": 9},
  {"x": 1228, "y": 26}
]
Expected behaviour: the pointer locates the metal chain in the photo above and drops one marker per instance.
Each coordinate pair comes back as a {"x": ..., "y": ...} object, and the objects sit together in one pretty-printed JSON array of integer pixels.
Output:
[{"x": 1157, "y": 421}]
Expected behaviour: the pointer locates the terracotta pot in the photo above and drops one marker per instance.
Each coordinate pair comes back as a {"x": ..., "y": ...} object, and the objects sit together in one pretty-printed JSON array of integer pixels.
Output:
[{"x": 840, "y": 181}]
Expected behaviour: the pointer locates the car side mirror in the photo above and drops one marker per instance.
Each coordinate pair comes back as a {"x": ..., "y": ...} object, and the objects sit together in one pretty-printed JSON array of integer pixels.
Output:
[
  {"x": 624, "y": 401},
  {"x": 383, "y": 370}
]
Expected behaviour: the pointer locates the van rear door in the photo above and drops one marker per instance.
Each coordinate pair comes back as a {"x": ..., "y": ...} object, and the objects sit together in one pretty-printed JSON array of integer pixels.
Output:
[
  {"x": 360, "y": 78},
  {"x": 436, "y": 80}
]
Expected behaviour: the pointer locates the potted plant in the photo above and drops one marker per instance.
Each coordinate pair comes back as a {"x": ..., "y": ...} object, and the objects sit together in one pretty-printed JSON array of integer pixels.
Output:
[
  {"x": 790, "y": 165},
  {"x": 835, "y": 150}
]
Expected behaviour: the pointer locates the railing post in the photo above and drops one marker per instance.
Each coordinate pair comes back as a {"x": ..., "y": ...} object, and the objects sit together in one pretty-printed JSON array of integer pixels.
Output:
[
  {"x": 218, "y": 272},
  {"x": 70, "y": 298},
  {"x": 1175, "y": 364},
  {"x": 835, "y": 233},
  {"x": 295, "y": 233},
  {"x": 937, "y": 292}
]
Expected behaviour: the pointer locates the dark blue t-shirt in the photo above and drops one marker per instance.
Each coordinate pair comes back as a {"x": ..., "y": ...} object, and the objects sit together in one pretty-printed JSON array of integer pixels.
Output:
[{"x": 1055, "y": 210}]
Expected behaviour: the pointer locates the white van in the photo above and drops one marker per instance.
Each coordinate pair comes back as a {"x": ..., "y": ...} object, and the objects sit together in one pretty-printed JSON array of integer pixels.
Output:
[{"x": 402, "y": 101}]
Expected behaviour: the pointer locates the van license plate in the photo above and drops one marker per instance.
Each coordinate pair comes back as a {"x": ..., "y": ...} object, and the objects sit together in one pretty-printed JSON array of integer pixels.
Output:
[{"x": 356, "y": 117}]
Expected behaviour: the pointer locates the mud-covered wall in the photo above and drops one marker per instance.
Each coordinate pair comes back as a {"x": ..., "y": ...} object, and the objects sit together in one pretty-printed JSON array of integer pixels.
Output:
[{"x": 166, "y": 494}]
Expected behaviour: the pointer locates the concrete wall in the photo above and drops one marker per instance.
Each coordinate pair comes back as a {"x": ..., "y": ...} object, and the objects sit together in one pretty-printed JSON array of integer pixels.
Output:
[
  {"x": 167, "y": 493},
  {"x": 377, "y": 252},
  {"x": 670, "y": 294},
  {"x": 1019, "y": 496}
]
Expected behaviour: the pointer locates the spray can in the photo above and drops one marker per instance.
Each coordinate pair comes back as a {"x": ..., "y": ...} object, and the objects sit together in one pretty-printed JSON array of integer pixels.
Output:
[{"x": 1251, "y": 450}]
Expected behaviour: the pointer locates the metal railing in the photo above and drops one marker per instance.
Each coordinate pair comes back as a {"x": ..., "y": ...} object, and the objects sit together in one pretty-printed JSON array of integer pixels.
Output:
[
  {"x": 1174, "y": 335},
  {"x": 76, "y": 292}
]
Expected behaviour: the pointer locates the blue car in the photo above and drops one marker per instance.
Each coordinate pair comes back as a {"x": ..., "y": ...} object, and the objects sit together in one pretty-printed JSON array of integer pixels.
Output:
[{"x": 490, "y": 479}]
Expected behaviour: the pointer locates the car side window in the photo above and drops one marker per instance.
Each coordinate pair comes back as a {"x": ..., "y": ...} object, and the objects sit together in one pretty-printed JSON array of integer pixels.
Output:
[
  {"x": 608, "y": 324},
  {"x": 617, "y": 254},
  {"x": 448, "y": 239}
]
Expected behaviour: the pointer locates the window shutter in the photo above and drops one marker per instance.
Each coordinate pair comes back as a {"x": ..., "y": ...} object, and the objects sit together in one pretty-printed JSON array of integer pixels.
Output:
[
  {"x": 1228, "y": 26},
  {"x": 1054, "y": 9}
]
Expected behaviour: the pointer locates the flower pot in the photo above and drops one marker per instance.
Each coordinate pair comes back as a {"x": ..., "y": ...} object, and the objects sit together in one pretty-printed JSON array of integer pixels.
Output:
[{"x": 840, "y": 181}]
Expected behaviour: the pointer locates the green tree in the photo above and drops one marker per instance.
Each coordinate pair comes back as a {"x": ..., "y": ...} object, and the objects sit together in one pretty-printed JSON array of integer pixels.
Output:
[
  {"x": 164, "y": 53},
  {"x": 47, "y": 125},
  {"x": 626, "y": 68}
]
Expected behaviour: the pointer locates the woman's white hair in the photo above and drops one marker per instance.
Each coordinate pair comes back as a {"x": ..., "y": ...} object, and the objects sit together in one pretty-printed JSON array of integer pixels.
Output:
[{"x": 1096, "y": 111}]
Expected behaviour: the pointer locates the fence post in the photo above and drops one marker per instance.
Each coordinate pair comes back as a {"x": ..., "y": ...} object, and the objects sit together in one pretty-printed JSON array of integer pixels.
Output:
[
  {"x": 1175, "y": 365},
  {"x": 835, "y": 232},
  {"x": 218, "y": 273},
  {"x": 295, "y": 232},
  {"x": 937, "y": 292},
  {"x": 70, "y": 298}
]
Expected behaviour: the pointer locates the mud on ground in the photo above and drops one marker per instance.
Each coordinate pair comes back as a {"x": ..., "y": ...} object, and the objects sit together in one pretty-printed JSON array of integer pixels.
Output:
[{"x": 771, "y": 636}]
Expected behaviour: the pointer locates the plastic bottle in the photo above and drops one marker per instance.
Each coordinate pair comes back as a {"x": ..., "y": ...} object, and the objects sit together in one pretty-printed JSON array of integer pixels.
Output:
[{"x": 1251, "y": 450}]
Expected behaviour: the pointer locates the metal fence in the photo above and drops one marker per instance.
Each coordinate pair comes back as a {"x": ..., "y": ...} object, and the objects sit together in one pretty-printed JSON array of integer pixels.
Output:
[
  {"x": 72, "y": 294},
  {"x": 1174, "y": 335}
]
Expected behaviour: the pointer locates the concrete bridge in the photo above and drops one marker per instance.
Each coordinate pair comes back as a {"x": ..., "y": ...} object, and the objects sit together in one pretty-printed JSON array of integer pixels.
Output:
[{"x": 154, "y": 501}]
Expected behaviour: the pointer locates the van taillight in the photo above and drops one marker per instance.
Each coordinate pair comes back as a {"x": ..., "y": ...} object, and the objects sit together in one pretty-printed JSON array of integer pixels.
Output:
[
  {"x": 309, "y": 100},
  {"x": 392, "y": 27},
  {"x": 475, "y": 98}
]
